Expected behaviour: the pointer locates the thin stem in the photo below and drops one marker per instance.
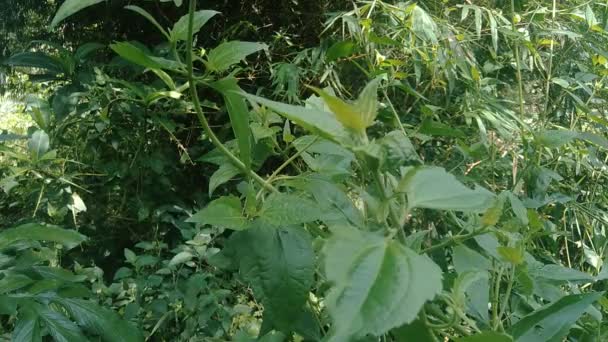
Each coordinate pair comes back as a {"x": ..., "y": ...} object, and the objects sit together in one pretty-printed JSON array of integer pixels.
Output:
[
  {"x": 276, "y": 172},
  {"x": 518, "y": 65},
  {"x": 496, "y": 292},
  {"x": 455, "y": 240},
  {"x": 394, "y": 216},
  {"x": 199, "y": 111},
  {"x": 505, "y": 303},
  {"x": 550, "y": 66}
]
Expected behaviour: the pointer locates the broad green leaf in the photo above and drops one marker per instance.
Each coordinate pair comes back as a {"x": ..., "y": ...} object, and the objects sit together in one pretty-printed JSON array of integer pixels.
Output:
[
  {"x": 222, "y": 175},
  {"x": 149, "y": 17},
  {"x": 227, "y": 54},
  {"x": 180, "y": 29},
  {"x": 434, "y": 188},
  {"x": 180, "y": 258},
  {"x": 99, "y": 321},
  {"x": 378, "y": 284},
  {"x": 289, "y": 209},
  {"x": 340, "y": 50},
  {"x": 38, "y": 144},
  {"x": 358, "y": 115},
  {"x": 558, "y": 138},
  {"x": 12, "y": 282},
  {"x": 435, "y": 128},
  {"x": 36, "y": 232},
  {"x": 398, "y": 151},
  {"x": 477, "y": 293},
  {"x": 225, "y": 212},
  {"x": 417, "y": 331},
  {"x": 552, "y": 322},
  {"x": 39, "y": 110},
  {"x": 137, "y": 56},
  {"x": 423, "y": 25},
  {"x": 239, "y": 116},
  {"x": 59, "y": 326},
  {"x": 70, "y": 7},
  {"x": 316, "y": 121},
  {"x": 86, "y": 49},
  {"x": 37, "y": 60},
  {"x": 28, "y": 327},
  {"x": 488, "y": 336},
  {"x": 279, "y": 264},
  {"x": 560, "y": 273},
  {"x": 65, "y": 101}
]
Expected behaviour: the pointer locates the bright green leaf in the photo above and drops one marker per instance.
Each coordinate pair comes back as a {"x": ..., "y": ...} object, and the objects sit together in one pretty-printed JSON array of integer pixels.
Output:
[
  {"x": 378, "y": 284},
  {"x": 36, "y": 232}
]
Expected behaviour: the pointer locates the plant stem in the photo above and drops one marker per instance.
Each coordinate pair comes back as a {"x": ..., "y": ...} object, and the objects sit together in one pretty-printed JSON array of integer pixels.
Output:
[
  {"x": 455, "y": 240},
  {"x": 199, "y": 111},
  {"x": 518, "y": 65},
  {"x": 273, "y": 176}
]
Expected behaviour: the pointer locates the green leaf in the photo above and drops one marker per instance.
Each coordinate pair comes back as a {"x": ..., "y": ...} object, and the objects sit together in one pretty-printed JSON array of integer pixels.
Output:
[
  {"x": 28, "y": 327},
  {"x": 99, "y": 321},
  {"x": 137, "y": 56},
  {"x": 434, "y": 188},
  {"x": 279, "y": 263},
  {"x": 36, "y": 232},
  {"x": 378, "y": 284},
  {"x": 398, "y": 151},
  {"x": 12, "y": 282},
  {"x": 225, "y": 212},
  {"x": 70, "y": 7},
  {"x": 227, "y": 54},
  {"x": 340, "y": 50},
  {"x": 149, "y": 17},
  {"x": 552, "y": 322},
  {"x": 222, "y": 175},
  {"x": 435, "y": 128},
  {"x": 289, "y": 209},
  {"x": 314, "y": 120},
  {"x": 558, "y": 138},
  {"x": 38, "y": 144},
  {"x": 239, "y": 116},
  {"x": 417, "y": 331},
  {"x": 488, "y": 336},
  {"x": 37, "y": 60},
  {"x": 59, "y": 326},
  {"x": 180, "y": 29},
  {"x": 180, "y": 258},
  {"x": 423, "y": 25}
]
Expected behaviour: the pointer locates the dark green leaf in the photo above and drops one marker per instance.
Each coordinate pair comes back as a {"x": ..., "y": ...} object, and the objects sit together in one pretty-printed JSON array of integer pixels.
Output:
[
  {"x": 37, "y": 60},
  {"x": 239, "y": 116},
  {"x": 488, "y": 336},
  {"x": 289, "y": 209},
  {"x": 222, "y": 175},
  {"x": 36, "y": 232},
  {"x": 279, "y": 263},
  {"x": 551, "y": 323},
  {"x": 180, "y": 29},
  {"x": 227, "y": 54}
]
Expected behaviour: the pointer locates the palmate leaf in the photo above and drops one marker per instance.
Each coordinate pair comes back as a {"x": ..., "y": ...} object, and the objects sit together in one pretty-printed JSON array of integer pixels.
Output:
[
  {"x": 378, "y": 284},
  {"x": 279, "y": 264},
  {"x": 99, "y": 321},
  {"x": 434, "y": 188}
]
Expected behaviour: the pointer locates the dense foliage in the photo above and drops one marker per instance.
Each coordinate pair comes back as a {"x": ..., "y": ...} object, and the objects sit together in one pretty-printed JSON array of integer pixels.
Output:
[{"x": 303, "y": 170}]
